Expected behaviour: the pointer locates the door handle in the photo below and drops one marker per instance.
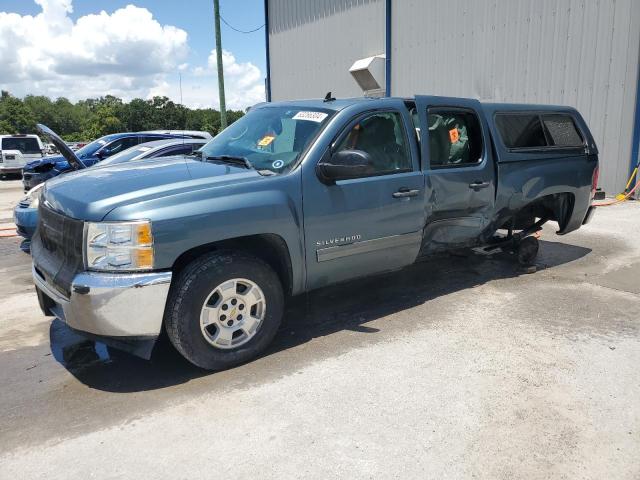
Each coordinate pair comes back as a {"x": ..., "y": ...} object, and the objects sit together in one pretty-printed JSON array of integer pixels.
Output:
[
  {"x": 405, "y": 192},
  {"x": 478, "y": 185}
]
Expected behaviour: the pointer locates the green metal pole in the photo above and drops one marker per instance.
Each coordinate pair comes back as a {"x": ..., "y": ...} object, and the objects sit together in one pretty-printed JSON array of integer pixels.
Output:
[{"x": 223, "y": 108}]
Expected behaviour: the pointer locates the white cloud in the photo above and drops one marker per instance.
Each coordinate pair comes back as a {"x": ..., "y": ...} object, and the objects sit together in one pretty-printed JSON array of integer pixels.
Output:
[
  {"x": 126, "y": 53},
  {"x": 243, "y": 81}
]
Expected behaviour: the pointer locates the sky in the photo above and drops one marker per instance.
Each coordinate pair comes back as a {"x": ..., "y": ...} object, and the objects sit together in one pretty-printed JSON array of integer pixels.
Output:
[{"x": 137, "y": 48}]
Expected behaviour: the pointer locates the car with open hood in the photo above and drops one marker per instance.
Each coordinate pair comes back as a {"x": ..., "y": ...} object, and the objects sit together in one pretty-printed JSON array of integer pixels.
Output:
[
  {"x": 38, "y": 171},
  {"x": 25, "y": 213}
]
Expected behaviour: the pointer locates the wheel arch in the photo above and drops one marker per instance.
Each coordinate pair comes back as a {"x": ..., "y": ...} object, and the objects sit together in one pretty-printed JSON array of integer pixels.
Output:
[
  {"x": 558, "y": 207},
  {"x": 269, "y": 247}
]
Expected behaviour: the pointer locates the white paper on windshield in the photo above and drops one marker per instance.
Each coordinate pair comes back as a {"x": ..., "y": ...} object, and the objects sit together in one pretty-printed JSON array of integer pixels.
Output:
[{"x": 311, "y": 116}]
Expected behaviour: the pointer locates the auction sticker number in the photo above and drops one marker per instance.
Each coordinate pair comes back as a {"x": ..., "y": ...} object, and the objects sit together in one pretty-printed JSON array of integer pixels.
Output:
[{"x": 310, "y": 116}]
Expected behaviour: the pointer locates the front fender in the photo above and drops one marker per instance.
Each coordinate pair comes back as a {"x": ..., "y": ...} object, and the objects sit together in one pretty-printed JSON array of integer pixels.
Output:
[{"x": 192, "y": 219}]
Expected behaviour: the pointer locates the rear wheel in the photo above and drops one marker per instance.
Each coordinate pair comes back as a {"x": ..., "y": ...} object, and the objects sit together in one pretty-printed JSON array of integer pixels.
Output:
[
  {"x": 224, "y": 309},
  {"x": 528, "y": 250}
]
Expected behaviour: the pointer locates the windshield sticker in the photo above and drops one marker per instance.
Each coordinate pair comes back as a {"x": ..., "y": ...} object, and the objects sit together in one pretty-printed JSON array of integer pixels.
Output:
[
  {"x": 454, "y": 135},
  {"x": 310, "y": 116},
  {"x": 102, "y": 142},
  {"x": 266, "y": 140},
  {"x": 277, "y": 164}
]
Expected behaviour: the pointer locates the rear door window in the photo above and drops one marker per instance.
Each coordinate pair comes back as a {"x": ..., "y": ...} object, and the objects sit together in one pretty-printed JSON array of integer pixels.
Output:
[
  {"x": 25, "y": 145},
  {"x": 455, "y": 138}
]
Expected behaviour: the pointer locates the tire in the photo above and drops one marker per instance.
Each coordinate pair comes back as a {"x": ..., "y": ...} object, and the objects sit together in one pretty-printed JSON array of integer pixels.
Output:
[
  {"x": 190, "y": 299},
  {"x": 528, "y": 250}
]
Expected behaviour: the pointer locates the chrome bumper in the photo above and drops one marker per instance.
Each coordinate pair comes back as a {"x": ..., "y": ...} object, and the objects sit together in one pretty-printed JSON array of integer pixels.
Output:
[
  {"x": 10, "y": 168},
  {"x": 111, "y": 304}
]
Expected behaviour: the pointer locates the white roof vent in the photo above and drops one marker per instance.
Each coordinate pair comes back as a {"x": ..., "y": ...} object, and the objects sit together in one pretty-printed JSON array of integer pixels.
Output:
[{"x": 369, "y": 74}]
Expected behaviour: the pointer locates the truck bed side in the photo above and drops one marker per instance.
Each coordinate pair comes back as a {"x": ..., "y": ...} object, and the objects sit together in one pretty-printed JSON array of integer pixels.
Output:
[{"x": 543, "y": 181}]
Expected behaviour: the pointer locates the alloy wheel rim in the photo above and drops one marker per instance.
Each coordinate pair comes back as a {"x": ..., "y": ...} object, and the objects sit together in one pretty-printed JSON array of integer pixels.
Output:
[{"x": 232, "y": 313}]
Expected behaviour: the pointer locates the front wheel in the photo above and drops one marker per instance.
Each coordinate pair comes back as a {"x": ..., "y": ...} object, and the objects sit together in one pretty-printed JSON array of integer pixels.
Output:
[{"x": 224, "y": 309}]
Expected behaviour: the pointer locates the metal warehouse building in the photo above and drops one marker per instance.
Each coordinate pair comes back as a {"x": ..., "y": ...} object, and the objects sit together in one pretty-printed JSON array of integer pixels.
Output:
[{"x": 583, "y": 53}]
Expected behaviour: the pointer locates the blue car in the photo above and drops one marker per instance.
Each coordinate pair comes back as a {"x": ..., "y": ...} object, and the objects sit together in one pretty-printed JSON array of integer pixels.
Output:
[
  {"x": 45, "y": 168},
  {"x": 25, "y": 214}
]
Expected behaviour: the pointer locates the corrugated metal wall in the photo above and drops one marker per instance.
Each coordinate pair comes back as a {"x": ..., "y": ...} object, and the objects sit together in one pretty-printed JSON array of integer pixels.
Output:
[
  {"x": 582, "y": 53},
  {"x": 313, "y": 44}
]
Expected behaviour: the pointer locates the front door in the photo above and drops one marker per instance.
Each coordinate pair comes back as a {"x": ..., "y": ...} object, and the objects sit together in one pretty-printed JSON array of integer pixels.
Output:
[
  {"x": 371, "y": 224},
  {"x": 459, "y": 168}
]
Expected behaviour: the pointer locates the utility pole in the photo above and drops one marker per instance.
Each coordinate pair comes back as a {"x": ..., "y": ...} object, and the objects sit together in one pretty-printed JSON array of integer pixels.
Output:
[{"x": 223, "y": 108}]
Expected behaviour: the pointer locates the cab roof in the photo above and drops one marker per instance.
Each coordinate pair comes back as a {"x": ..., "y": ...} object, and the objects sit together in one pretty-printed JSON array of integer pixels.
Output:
[{"x": 341, "y": 103}]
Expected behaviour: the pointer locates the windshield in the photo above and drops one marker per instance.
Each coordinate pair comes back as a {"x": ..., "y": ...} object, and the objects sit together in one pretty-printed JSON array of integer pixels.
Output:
[
  {"x": 91, "y": 148},
  {"x": 22, "y": 144},
  {"x": 270, "y": 138},
  {"x": 125, "y": 155}
]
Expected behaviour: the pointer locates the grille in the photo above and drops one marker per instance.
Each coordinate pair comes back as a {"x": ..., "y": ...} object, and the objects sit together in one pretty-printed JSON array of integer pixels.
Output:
[{"x": 56, "y": 248}]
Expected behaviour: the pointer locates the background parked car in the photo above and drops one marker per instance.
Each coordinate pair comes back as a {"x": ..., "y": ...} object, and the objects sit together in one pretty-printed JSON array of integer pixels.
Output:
[
  {"x": 50, "y": 149},
  {"x": 17, "y": 150},
  {"x": 76, "y": 145},
  {"x": 40, "y": 170},
  {"x": 25, "y": 214},
  {"x": 159, "y": 148},
  {"x": 186, "y": 133}
]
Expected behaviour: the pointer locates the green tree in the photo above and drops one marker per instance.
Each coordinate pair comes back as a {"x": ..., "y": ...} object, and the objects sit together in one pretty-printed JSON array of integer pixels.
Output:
[
  {"x": 93, "y": 117},
  {"x": 15, "y": 116}
]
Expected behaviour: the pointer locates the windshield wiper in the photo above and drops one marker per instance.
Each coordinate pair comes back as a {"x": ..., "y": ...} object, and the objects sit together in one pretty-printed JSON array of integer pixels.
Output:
[{"x": 234, "y": 160}]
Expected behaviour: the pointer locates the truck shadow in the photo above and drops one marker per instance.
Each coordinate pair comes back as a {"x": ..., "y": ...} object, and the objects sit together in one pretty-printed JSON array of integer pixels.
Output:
[{"x": 348, "y": 306}]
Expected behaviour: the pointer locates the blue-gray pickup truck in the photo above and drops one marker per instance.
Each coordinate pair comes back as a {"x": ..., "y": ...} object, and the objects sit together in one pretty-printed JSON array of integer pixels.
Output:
[{"x": 292, "y": 197}]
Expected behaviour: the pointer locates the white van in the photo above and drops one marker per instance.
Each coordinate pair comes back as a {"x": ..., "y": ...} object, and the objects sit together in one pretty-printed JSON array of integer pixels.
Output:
[{"x": 17, "y": 150}]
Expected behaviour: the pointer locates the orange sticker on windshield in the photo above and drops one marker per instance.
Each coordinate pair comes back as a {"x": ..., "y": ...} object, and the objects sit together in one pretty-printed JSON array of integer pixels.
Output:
[
  {"x": 266, "y": 140},
  {"x": 454, "y": 135}
]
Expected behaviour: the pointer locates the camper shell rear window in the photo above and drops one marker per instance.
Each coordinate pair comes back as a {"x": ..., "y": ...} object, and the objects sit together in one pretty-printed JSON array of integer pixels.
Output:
[{"x": 536, "y": 130}]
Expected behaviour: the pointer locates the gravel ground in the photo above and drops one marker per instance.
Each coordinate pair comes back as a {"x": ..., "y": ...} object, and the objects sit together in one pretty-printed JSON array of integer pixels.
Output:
[{"x": 459, "y": 367}]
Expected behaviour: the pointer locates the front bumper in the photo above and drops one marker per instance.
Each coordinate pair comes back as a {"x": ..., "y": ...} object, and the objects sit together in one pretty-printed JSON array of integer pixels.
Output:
[
  {"x": 26, "y": 220},
  {"x": 121, "y": 307},
  {"x": 4, "y": 169}
]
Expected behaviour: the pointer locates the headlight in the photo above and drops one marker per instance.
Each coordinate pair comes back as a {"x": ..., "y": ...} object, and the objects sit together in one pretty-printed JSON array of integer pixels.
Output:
[
  {"x": 33, "y": 196},
  {"x": 118, "y": 245}
]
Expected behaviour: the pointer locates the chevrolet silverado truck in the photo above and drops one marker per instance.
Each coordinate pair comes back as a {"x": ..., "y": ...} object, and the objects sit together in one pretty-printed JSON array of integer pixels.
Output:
[{"x": 292, "y": 197}]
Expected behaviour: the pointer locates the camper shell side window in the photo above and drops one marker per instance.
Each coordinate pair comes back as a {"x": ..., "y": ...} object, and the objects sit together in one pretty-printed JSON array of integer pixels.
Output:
[{"x": 538, "y": 131}]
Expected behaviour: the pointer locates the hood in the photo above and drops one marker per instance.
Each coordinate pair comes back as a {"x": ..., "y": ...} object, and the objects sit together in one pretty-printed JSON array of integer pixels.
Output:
[
  {"x": 92, "y": 193},
  {"x": 55, "y": 161},
  {"x": 64, "y": 149}
]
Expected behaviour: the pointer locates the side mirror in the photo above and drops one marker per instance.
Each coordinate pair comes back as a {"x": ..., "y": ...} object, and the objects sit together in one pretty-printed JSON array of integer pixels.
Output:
[{"x": 344, "y": 165}]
